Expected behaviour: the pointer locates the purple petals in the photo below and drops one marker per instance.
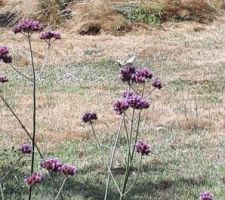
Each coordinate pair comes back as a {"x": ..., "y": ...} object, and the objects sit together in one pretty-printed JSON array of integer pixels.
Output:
[
  {"x": 89, "y": 117},
  {"x": 48, "y": 35},
  {"x": 3, "y": 79},
  {"x": 34, "y": 179},
  {"x": 26, "y": 149},
  {"x": 206, "y": 196},
  {"x": 143, "y": 148},
  {"x": 52, "y": 165},
  {"x": 4, "y": 54},
  {"x": 27, "y": 26},
  {"x": 69, "y": 170}
]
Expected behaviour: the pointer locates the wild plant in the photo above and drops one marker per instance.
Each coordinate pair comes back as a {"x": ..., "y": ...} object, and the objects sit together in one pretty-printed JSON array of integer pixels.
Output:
[{"x": 28, "y": 27}]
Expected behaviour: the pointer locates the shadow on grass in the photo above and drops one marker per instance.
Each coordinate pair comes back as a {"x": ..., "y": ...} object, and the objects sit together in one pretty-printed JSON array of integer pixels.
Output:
[
  {"x": 92, "y": 186},
  {"x": 89, "y": 190},
  {"x": 180, "y": 185}
]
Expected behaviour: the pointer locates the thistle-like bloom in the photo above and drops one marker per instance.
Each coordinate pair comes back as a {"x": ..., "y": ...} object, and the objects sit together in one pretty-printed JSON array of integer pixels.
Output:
[
  {"x": 27, "y": 26},
  {"x": 4, "y": 54},
  {"x": 206, "y": 196},
  {"x": 143, "y": 148},
  {"x": 89, "y": 117},
  {"x": 141, "y": 75},
  {"x": 121, "y": 106},
  {"x": 127, "y": 72},
  {"x": 26, "y": 149},
  {"x": 48, "y": 35},
  {"x": 69, "y": 170},
  {"x": 52, "y": 165},
  {"x": 34, "y": 179},
  {"x": 3, "y": 79},
  {"x": 157, "y": 84},
  {"x": 137, "y": 102}
]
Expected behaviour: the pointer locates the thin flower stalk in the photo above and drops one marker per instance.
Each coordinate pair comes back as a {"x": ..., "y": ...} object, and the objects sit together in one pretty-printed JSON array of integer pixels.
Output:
[
  {"x": 128, "y": 164},
  {"x": 34, "y": 109},
  {"x": 137, "y": 134},
  {"x": 20, "y": 73},
  {"x": 117, "y": 187},
  {"x": 45, "y": 63},
  {"x": 112, "y": 157},
  {"x": 22, "y": 125},
  {"x": 135, "y": 181},
  {"x": 60, "y": 189},
  {"x": 95, "y": 135}
]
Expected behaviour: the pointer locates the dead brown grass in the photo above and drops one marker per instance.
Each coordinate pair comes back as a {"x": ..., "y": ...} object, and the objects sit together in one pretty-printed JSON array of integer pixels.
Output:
[
  {"x": 197, "y": 10},
  {"x": 178, "y": 52},
  {"x": 2, "y": 3},
  {"x": 49, "y": 11}
]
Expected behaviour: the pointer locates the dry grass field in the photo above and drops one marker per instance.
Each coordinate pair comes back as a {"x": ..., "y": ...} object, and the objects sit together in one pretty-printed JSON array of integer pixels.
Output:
[{"x": 186, "y": 120}]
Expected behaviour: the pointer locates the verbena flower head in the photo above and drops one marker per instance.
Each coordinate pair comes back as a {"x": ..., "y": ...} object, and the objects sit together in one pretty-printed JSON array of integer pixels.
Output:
[
  {"x": 157, "y": 84},
  {"x": 89, "y": 117},
  {"x": 27, "y": 26},
  {"x": 48, "y": 35},
  {"x": 26, "y": 149},
  {"x": 52, "y": 165},
  {"x": 121, "y": 106},
  {"x": 69, "y": 170},
  {"x": 127, "y": 72},
  {"x": 206, "y": 196},
  {"x": 141, "y": 75},
  {"x": 34, "y": 179},
  {"x": 4, "y": 50},
  {"x": 143, "y": 148},
  {"x": 3, "y": 79},
  {"x": 137, "y": 102},
  {"x": 4, "y": 54}
]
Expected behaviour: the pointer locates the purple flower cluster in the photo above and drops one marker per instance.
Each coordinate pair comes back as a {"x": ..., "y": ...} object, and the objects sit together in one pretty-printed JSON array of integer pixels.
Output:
[
  {"x": 34, "y": 179},
  {"x": 206, "y": 196},
  {"x": 143, "y": 148},
  {"x": 89, "y": 117},
  {"x": 4, "y": 55},
  {"x": 121, "y": 106},
  {"x": 69, "y": 170},
  {"x": 57, "y": 166},
  {"x": 48, "y": 35},
  {"x": 141, "y": 75},
  {"x": 26, "y": 149},
  {"x": 52, "y": 165},
  {"x": 3, "y": 79},
  {"x": 129, "y": 73},
  {"x": 130, "y": 100},
  {"x": 137, "y": 102},
  {"x": 157, "y": 84},
  {"x": 27, "y": 26}
]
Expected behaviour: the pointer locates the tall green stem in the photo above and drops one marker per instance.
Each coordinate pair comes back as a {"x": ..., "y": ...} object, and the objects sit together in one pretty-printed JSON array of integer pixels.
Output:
[
  {"x": 34, "y": 110},
  {"x": 93, "y": 130},
  {"x": 136, "y": 137},
  {"x": 128, "y": 156},
  {"x": 112, "y": 157},
  {"x": 60, "y": 190}
]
